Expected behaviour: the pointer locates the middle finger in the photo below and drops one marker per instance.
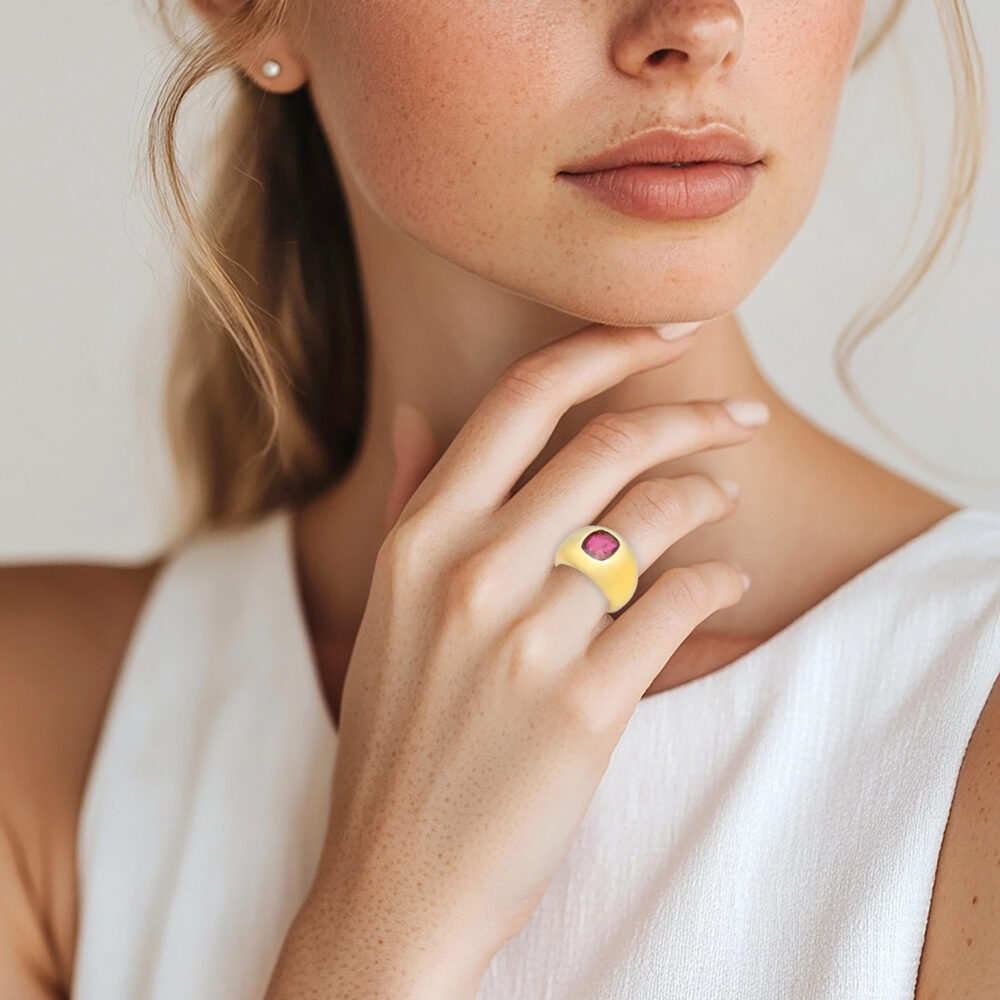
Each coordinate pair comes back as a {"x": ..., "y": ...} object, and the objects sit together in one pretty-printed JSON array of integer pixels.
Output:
[{"x": 611, "y": 451}]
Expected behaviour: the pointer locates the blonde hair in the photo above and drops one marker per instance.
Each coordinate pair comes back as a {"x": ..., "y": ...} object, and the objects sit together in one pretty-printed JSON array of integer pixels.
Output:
[{"x": 264, "y": 400}]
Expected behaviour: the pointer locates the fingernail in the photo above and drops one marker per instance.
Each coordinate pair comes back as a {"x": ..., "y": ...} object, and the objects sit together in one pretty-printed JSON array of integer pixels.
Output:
[
  {"x": 746, "y": 580},
  {"x": 731, "y": 488},
  {"x": 748, "y": 412},
  {"x": 674, "y": 331}
]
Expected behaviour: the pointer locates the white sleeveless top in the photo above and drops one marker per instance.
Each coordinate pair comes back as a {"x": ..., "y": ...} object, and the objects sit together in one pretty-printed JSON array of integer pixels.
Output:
[{"x": 769, "y": 831}]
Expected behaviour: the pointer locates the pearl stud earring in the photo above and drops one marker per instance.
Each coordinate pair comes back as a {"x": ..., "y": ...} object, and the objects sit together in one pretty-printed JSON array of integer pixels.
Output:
[{"x": 271, "y": 68}]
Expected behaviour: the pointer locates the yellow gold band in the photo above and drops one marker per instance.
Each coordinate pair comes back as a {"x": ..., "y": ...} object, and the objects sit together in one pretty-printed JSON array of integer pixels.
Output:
[{"x": 604, "y": 556}]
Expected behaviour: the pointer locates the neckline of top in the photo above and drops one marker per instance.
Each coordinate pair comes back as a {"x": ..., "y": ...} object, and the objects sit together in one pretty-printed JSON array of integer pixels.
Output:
[{"x": 734, "y": 668}]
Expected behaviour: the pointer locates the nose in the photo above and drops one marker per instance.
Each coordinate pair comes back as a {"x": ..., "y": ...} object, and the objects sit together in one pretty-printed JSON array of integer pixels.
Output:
[{"x": 678, "y": 37}]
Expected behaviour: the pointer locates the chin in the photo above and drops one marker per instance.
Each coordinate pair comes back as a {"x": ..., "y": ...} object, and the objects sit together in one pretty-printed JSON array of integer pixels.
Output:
[
  {"x": 645, "y": 299},
  {"x": 659, "y": 278}
]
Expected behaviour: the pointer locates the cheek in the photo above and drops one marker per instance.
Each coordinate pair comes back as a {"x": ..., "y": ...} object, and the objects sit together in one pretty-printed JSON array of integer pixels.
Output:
[
  {"x": 425, "y": 101},
  {"x": 804, "y": 51}
]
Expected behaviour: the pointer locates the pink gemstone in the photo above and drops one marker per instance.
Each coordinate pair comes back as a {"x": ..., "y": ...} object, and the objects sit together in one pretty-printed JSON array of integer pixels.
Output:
[{"x": 600, "y": 544}]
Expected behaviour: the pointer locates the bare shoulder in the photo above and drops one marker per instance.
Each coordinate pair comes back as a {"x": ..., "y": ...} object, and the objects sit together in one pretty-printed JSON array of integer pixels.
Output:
[
  {"x": 63, "y": 633},
  {"x": 962, "y": 947}
]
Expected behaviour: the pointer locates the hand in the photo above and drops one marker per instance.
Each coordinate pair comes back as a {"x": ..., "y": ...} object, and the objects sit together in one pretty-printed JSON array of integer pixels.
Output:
[{"x": 487, "y": 689}]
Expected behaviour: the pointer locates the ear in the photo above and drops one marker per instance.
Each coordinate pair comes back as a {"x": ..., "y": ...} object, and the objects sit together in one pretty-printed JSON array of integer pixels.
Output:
[{"x": 276, "y": 52}]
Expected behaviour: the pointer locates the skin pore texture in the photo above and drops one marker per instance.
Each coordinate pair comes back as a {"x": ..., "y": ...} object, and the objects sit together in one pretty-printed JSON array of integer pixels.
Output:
[{"x": 449, "y": 121}]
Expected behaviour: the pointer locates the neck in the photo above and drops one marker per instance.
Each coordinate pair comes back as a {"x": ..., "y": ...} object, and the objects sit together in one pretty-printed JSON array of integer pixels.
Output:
[
  {"x": 800, "y": 490},
  {"x": 439, "y": 337}
]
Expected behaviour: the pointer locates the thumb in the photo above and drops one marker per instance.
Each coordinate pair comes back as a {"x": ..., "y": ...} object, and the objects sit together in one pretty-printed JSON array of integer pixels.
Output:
[{"x": 414, "y": 455}]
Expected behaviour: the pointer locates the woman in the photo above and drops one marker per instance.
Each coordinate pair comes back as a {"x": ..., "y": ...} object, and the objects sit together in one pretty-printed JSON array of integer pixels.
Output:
[{"x": 361, "y": 731}]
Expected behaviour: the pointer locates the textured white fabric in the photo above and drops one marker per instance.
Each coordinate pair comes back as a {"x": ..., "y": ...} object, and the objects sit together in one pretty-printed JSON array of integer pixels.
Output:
[{"x": 768, "y": 831}]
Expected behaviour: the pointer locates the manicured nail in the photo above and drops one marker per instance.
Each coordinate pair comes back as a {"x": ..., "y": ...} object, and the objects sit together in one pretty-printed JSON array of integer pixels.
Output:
[
  {"x": 731, "y": 488},
  {"x": 674, "y": 331},
  {"x": 748, "y": 412}
]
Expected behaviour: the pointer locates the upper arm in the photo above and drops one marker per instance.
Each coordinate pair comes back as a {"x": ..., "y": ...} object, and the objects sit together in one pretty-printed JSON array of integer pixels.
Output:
[
  {"x": 63, "y": 631},
  {"x": 26, "y": 968},
  {"x": 962, "y": 958}
]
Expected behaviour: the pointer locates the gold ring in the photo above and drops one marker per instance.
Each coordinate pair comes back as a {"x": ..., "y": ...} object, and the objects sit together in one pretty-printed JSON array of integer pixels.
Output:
[{"x": 604, "y": 556}]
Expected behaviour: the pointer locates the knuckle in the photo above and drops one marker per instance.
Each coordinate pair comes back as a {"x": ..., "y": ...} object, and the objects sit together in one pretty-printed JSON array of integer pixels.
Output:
[
  {"x": 530, "y": 378},
  {"x": 612, "y": 437},
  {"x": 527, "y": 645},
  {"x": 689, "y": 591},
  {"x": 405, "y": 546},
  {"x": 584, "y": 706},
  {"x": 659, "y": 503},
  {"x": 472, "y": 585}
]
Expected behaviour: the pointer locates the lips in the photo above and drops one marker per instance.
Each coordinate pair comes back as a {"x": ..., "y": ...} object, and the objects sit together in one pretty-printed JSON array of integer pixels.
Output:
[{"x": 715, "y": 144}]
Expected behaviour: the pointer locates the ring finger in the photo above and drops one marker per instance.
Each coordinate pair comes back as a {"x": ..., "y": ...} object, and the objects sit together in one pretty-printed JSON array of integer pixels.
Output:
[{"x": 653, "y": 515}]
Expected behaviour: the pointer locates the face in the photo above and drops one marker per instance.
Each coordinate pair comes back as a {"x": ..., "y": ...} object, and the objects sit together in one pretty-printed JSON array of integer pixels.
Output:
[{"x": 453, "y": 119}]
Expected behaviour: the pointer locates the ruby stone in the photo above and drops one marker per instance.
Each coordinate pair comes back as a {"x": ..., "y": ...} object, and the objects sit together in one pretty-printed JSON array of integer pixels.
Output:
[{"x": 600, "y": 544}]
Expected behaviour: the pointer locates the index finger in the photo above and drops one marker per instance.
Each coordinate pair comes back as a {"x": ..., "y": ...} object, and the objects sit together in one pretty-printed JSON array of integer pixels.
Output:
[{"x": 507, "y": 430}]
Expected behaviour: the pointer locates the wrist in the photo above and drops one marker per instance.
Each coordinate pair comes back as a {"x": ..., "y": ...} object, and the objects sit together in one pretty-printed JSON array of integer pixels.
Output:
[{"x": 349, "y": 945}]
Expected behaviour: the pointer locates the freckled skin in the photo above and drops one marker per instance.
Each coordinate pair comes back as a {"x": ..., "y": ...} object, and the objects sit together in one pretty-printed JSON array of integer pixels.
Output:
[{"x": 452, "y": 118}]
